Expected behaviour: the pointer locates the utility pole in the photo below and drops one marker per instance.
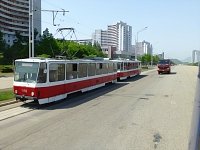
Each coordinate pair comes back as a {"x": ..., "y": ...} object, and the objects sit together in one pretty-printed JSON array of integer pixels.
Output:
[
  {"x": 31, "y": 24},
  {"x": 31, "y": 30}
]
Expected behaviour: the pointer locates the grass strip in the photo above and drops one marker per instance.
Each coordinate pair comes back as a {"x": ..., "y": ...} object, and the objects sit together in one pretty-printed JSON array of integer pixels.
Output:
[{"x": 6, "y": 95}]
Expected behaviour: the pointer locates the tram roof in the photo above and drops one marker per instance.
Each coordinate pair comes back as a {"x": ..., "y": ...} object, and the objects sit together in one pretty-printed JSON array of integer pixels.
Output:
[
  {"x": 37, "y": 59},
  {"x": 124, "y": 60}
]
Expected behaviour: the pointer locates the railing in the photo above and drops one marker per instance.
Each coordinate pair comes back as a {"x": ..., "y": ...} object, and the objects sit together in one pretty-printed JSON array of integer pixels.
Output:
[{"x": 194, "y": 141}]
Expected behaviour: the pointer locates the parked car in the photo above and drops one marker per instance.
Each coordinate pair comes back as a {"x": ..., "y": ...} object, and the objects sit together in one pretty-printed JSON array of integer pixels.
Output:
[{"x": 164, "y": 66}]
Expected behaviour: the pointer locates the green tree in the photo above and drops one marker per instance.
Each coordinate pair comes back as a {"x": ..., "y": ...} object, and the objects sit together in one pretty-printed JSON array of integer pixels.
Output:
[
  {"x": 19, "y": 49},
  {"x": 2, "y": 43},
  {"x": 155, "y": 59},
  {"x": 47, "y": 45},
  {"x": 146, "y": 59}
]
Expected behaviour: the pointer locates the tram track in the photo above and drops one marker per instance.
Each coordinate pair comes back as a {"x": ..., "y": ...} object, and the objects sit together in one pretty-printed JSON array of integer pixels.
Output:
[
  {"x": 72, "y": 99},
  {"x": 17, "y": 109}
]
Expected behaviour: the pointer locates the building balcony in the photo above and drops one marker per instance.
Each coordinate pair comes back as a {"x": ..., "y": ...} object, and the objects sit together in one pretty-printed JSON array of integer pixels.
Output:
[
  {"x": 14, "y": 28},
  {"x": 14, "y": 18},
  {"x": 22, "y": 5},
  {"x": 26, "y": 24},
  {"x": 14, "y": 13},
  {"x": 14, "y": 9}
]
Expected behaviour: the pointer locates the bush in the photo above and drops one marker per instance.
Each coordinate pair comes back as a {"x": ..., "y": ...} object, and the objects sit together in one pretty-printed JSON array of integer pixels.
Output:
[
  {"x": 6, "y": 69},
  {"x": 145, "y": 67}
]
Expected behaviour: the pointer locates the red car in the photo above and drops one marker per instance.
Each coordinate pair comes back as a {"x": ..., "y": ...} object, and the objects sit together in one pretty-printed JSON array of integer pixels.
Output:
[{"x": 164, "y": 66}]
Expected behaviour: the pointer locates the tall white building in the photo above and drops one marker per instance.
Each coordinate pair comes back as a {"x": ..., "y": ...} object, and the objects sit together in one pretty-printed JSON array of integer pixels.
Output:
[
  {"x": 15, "y": 18},
  {"x": 144, "y": 47},
  {"x": 124, "y": 36},
  {"x": 112, "y": 36},
  {"x": 118, "y": 35},
  {"x": 101, "y": 37}
]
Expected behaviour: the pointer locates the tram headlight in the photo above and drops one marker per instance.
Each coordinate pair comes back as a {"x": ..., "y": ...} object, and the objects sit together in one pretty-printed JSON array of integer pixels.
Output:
[
  {"x": 32, "y": 93},
  {"x": 15, "y": 91}
]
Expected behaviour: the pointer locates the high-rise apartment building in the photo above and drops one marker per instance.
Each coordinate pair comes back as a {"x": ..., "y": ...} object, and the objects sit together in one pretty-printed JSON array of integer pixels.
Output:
[
  {"x": 14, "y": 17},
  {"x": 101, "y": 37},
  {"x": 124, "y": 36},
  {"x": 118, "y": 35},
  {"x": 144, "y": 47}
]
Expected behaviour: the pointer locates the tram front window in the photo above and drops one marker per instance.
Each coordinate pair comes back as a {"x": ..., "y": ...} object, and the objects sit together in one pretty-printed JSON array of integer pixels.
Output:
[{"x": 26, "y": 72}]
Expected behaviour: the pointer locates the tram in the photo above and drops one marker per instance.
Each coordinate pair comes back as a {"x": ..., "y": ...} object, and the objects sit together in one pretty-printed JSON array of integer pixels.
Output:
[
  {"x": 49, "y": 80},
  {"x": 127, "y": 68}
]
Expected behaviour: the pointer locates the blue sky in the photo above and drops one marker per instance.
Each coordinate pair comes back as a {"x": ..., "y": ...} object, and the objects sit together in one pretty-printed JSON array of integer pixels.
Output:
[{"x": 173, "y": 25}]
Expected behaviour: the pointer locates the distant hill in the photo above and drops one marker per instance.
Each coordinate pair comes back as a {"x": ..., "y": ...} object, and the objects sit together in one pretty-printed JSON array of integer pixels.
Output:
[
  {"x": 176, "y": 61},
  {"x": 188, "y": 59}
]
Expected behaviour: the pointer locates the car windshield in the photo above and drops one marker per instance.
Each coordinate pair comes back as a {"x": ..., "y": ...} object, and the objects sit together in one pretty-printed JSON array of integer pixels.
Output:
[
  {"x": 164, "y": 62},
  {"x": 26, "y": 72}
]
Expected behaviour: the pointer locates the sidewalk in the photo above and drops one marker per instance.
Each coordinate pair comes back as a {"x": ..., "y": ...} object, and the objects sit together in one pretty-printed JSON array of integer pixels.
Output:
[{"x": 6, "y": 82}]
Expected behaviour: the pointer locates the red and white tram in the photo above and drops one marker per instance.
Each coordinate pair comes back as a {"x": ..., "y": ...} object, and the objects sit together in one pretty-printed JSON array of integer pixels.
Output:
[
  {"x": 49, "y": 80},
  {"x": 127, "y": 68}
]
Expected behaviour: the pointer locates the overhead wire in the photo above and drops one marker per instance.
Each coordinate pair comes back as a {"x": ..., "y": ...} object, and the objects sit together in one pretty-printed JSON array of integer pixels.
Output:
[{"x": 72, "y": 19}]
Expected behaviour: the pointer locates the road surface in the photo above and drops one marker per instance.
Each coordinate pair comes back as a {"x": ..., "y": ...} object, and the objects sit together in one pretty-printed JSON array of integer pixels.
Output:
[{"x": 144, "y": 113}]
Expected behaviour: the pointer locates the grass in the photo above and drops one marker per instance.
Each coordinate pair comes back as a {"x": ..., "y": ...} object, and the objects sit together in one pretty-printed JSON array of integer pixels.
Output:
[{"x": 6, "y": 94}]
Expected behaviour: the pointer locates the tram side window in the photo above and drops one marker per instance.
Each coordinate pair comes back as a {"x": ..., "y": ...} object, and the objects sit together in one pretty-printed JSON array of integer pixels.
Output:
[
  {"x": 91, "y": 69},
  {"x": 99, "y": 68},
  {"x": 56, "y": 72},
  {"x": 104, "y": 68},
  {"x": 119, "y": 66},
  {"x": 71, "y": 71},
  {"x": 114, "y": 67},
  {"x": 110, "y": 65},
  {"x": 61, "y": 72},
  {"x": 136, "y": 65},
  {"x": 42, "y": 75},
  {"x": 122, "y": 66},
  {"x": 53, "y": 72},
  {"x": 82, "y": 70},
  {"x": 125, "y": 66}
]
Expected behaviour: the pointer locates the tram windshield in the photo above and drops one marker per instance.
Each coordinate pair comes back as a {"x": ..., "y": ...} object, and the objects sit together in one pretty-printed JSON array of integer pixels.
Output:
[{"x": 26, "y": 72}]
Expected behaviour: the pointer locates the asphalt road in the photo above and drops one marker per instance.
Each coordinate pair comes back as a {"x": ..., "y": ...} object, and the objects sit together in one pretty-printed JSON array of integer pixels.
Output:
[{"x": 144, "y": 113}]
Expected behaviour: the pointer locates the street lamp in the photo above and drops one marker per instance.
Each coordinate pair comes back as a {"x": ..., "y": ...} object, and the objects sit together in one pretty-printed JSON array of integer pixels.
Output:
[{"x": 136, "y": 41}]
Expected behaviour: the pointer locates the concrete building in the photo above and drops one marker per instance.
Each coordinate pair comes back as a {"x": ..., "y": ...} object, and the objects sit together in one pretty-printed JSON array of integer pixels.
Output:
[
  {"x": 124, "y": 36},
  {"x": 161, "y": 56},
  {"x": 15, "y": 18},
  {"x": 101, "y": 37},
  {"x": 144, "y": 47},
  {"x": 83, "y": 41},
  {"x": 118, "y": 35}
]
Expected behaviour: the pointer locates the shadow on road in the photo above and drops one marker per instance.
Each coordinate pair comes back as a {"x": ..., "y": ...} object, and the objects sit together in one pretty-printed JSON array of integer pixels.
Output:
[
  {"x": 133, "y": 79},
  {"x": 75, "y": 99},
  {"x": 172, "y": 73},
  {"x": 79, "y": 98}
]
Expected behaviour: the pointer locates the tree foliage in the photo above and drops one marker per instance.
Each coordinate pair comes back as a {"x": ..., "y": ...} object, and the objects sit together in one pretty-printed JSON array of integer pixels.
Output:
[
  {"x": 19, "y": 49},
  {"x": 48, "y": 46},
  {"x": 147, "y": 58},
  {"x": 2, "y": 43}
]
